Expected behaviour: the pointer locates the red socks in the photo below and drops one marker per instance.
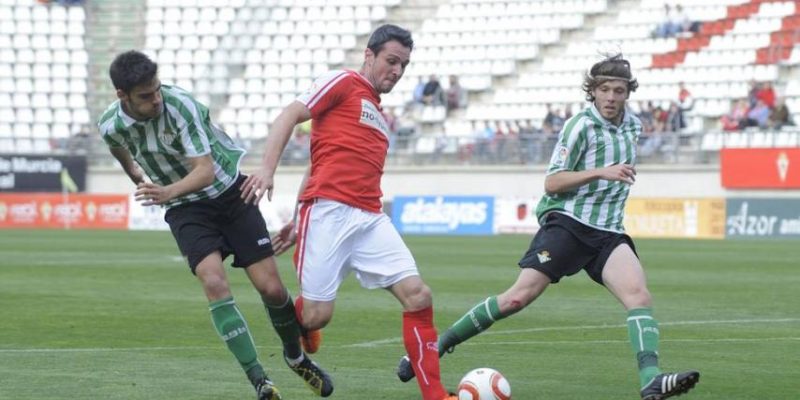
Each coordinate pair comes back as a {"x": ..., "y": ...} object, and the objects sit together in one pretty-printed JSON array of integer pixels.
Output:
[{"x": 420, "y": 339}]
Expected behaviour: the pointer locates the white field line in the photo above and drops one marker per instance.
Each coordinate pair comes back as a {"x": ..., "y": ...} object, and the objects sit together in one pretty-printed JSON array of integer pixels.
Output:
[
  {"x": 593, "y": 327},
  {"x": 378, "y": 343}
]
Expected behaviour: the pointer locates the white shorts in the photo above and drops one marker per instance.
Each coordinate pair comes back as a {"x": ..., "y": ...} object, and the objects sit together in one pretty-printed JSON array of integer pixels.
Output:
[{"x": 334, "y": 239}]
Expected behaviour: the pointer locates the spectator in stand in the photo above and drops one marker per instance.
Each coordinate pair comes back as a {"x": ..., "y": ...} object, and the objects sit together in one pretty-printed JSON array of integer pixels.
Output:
[
  {"x": 456, "y": 95},
  {"x": 674, "y": 21},
  {"x": 757, "y": 116},
  {"x": 685, "y": 99},
  {"x": 780, "y": 116},
  {"x": 735, "y": 119},
  {"x": 433, "y": 94},
  {"x": 659, "y": 118},
  {"x": 553, "y": 120},
  {"x": 680, "y": 20},
  {"x": 766, "y": 94},
  {"x": 674, "y": 118},
  {"x": 484, "y": 136},
  {"x": 752, "y": 95},
  {"x": 646, "y": 116},
  {"x": 527, "y": 141},
  {"x": 418, "y": 90}
]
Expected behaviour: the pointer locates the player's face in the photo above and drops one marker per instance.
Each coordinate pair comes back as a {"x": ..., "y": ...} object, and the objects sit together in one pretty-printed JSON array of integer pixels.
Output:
[
  {"x": 144, "y": 101},
  {"x": 384, "y": 69},
  {"x": 609, "y": 98}
]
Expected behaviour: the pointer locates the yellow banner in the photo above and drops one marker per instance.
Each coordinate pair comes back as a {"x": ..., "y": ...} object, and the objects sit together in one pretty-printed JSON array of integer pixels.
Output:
[{"x": 675, "y": 218}]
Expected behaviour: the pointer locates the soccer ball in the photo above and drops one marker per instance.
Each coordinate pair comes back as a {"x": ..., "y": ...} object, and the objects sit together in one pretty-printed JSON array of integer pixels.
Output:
[{"x": 484, "y": 384}]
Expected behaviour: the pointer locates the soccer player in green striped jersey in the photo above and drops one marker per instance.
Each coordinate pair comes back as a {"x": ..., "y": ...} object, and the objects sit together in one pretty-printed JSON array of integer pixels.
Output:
[
  {"x": 193, "y": 167},
  {"x": 588, "y": 180}
]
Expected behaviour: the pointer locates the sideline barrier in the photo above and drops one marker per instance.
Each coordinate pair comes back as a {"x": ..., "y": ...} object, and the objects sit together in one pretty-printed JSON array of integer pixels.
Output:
[
  {"x": 675, "y": 218},
  {"x": 698, "y": 218},
  {"x": 45, "y": 210}
]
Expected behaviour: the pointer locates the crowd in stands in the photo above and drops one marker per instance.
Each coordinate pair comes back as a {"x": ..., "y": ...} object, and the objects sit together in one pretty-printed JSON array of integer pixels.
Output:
[
  {"x": 761, "y": 109},
  {"x": 61, "y": 2},
  {"x": 432, "y": 93},
  {"x": 674, "y": 22}
]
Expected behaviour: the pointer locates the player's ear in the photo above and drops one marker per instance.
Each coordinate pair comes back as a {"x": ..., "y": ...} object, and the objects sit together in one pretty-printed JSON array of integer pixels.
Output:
[
  {"x": 369, "y": 56},
  {"x": 122, "y": 95}
]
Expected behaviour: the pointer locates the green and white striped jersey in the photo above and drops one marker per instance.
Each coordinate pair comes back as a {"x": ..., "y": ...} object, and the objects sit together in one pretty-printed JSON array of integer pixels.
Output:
[
  {"x": 589, "y": 141},
  {"x": 163, "y": 146}
]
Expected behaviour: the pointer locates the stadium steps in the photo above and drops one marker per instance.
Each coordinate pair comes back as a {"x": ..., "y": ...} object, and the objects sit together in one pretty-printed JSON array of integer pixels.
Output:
[
  {"x": 700, "y": 40},
  {"x": 409, "y": 14},
  {"x": 781, "y": 42},
  {"x": 112, "y": 26}
]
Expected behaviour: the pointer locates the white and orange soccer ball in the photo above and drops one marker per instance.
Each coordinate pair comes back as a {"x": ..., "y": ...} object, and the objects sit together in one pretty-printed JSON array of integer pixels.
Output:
[{"x": 484, "y": 384}]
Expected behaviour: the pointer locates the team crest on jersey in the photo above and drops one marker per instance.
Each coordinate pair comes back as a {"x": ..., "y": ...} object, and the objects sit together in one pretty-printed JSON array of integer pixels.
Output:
[
  {"x": 372, "y": 117},
  {"x": 167, "y": 136}
]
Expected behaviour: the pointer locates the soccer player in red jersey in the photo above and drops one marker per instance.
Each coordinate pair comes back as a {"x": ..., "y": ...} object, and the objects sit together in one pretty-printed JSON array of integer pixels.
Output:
[{"x": 340, "y": 227}]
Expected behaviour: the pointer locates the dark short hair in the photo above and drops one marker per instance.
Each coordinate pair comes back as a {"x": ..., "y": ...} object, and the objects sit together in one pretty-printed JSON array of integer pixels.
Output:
[
  {"x": 130, "y": 69},
  {"x": 386, "y": 33},
  {"x": 612, "y": 67}
]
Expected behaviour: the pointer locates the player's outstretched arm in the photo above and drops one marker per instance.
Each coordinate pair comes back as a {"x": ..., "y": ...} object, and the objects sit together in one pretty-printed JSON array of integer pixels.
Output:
[
  {"x": 201, "y": 175},
  {"x": 567, "y": 181},
  {"x": 128, "y": 165},
  {"x": 262, "y": 182}
]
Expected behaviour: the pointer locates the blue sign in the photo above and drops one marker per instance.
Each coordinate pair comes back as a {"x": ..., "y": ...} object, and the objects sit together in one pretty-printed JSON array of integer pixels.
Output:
[
  {"x": 444, "y": 215},
  {"x": 761, "y": 218}
]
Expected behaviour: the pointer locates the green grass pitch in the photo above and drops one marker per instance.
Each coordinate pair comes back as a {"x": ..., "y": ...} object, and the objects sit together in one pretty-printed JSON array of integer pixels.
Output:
[{"x": 117, "y": 315}]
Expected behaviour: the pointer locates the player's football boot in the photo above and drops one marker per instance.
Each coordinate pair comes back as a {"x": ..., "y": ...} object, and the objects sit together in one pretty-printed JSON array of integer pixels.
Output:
[
  {"x": 404, "y": 370},
  {"x": 311, "y": 340},
  {"x": 266, "y": 390},
  {"x": 670, "y": 384},
  {"x": 316, "y": 378}
]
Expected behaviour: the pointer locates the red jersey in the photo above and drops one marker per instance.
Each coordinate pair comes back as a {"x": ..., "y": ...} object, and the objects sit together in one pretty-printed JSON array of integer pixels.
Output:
[{"x": 349, "y": 140}]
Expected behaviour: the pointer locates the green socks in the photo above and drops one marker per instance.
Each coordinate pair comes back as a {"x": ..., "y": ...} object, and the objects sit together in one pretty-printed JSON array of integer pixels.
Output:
[
  {"x": 643, "y": 334},
  {"x": 285, "y": 323},
  {"x": 232, "y": 328},
  {"x": 477, "y": 320}
]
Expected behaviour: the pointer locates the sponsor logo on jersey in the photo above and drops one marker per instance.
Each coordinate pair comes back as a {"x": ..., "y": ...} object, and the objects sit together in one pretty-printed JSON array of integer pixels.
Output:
[
  {"x": 263, "y": 241},
  {"x": 372, "y": 117}
]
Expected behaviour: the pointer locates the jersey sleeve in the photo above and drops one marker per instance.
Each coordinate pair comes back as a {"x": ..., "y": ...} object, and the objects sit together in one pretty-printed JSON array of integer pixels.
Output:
[
  {"x": 570, "y": 146},
  {"x": 112, "y": 139},
  {"x": 326, "y": 92}
]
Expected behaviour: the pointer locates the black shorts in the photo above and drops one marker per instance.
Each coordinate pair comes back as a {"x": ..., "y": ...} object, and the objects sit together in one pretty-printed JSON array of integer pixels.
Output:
[
  {"x": 563, "y": 246},
  {"x": 224, "y": 224}
]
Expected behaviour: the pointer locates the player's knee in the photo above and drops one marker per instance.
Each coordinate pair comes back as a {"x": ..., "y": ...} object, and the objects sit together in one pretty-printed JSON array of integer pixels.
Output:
[
  {"x": 315, "y": 319},
  {"x": 420, "y": 297},
  {"x": 215, "y": 286},
  {"x": 638, "y": 298},
  {"x": 271, "y": 291}
]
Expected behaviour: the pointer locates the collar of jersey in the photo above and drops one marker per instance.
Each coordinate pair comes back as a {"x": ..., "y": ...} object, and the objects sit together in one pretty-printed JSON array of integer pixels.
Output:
[{"x": 594, "y": 113}]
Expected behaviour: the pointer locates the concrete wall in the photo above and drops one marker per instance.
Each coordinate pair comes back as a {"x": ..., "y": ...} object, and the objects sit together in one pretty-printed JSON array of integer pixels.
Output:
[{"x": 652, "y": 181}]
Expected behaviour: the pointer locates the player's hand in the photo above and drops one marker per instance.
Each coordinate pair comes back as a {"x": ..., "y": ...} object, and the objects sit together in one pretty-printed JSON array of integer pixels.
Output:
[
  {"x": 255, "y": 186},
  {"x": 151, "y": 194},
  {"x": 284, "y": 239},
  {"x": 620, "y": 172}
]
